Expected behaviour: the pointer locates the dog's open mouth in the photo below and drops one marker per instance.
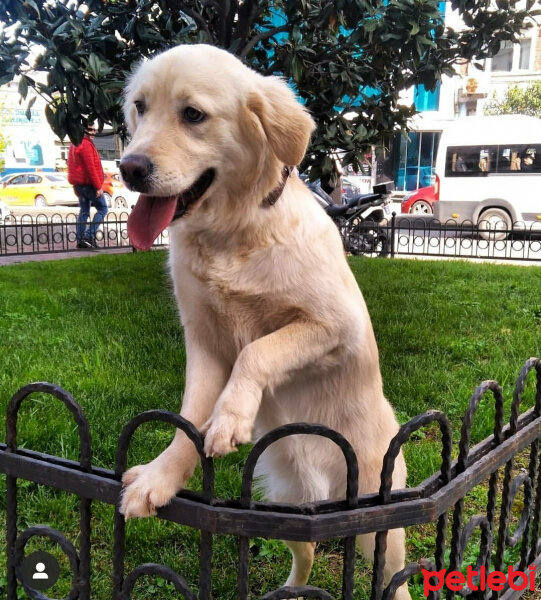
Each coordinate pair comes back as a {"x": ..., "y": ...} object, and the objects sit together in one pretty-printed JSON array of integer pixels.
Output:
[{"x": 152, "y": 214}]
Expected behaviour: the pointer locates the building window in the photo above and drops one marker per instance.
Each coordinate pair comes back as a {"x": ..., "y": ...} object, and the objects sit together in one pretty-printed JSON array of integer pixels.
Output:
[
  {"x": 425, "y": 100},
  {"x": 414, "y": 160},
  {"x": 525, "y": 53},
  {"x": 503, "y": 61},
  {"x": 513, "y": 57}
]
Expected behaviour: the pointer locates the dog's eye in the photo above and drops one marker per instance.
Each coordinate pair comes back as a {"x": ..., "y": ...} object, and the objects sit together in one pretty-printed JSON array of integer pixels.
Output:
[
  {"x": 139, "y": 107},
  {"x": 192, "y": 115}
]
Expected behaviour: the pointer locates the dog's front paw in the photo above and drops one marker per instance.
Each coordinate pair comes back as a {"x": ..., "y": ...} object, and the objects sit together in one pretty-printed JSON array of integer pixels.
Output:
[
  {"x": 225, "y": 431},
  {"x": 146, "y": 488}
]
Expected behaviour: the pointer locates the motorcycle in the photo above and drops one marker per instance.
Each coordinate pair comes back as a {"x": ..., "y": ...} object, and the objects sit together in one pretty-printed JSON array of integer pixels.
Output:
[{"x": 361, "y": 220}]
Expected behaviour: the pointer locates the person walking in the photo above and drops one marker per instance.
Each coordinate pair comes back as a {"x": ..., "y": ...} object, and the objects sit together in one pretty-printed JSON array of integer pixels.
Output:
[{"x": 85, "y": 173}]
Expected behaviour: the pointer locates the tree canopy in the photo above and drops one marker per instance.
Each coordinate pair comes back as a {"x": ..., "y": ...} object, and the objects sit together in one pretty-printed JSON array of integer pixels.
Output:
[
  {"x": 341, "y": 56},
  {"x": 517, "y": 101}
]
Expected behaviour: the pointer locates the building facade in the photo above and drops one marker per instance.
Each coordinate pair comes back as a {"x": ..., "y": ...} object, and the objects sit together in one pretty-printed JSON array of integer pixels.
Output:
[
  {"x": 412, "y": 159},
  {"x": 31, "y": 145}
]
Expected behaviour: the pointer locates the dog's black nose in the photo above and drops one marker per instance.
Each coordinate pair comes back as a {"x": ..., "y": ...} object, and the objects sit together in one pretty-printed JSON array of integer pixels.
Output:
[{"x": 135, "y": 169}]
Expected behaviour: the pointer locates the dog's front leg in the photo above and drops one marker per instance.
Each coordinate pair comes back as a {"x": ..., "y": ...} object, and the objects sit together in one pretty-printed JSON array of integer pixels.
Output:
[
  {"x": 147, "y": 487},
  {"x": 266, "y": 361}
]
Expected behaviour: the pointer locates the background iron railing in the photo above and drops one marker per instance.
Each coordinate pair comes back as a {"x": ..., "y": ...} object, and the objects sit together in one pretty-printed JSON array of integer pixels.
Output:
[
  {"x": 49, "y": 233},
  {"x": 416, "y": 236},
  {"x": 402, "y": 235},
  {"x": 433, "y": 501}
]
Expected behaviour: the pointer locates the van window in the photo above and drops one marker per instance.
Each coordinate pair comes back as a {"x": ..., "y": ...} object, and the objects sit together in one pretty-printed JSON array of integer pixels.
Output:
[
  {"x": 519, "y": 158},
  {"x": 470, "y": 161},
  {"x": 479, "y": 161}
]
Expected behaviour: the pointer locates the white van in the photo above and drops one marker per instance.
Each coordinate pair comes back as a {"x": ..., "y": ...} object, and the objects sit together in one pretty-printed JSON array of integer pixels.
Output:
[{"x": 488, "y": 171}]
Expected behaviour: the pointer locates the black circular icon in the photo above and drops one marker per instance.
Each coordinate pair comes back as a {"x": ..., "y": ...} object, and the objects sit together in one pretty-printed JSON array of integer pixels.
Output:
[{"x": 40, "y": 570}]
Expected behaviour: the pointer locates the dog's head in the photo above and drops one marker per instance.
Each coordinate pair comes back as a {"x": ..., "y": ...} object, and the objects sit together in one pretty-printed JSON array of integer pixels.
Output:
[{"x": 206, "y": 132}]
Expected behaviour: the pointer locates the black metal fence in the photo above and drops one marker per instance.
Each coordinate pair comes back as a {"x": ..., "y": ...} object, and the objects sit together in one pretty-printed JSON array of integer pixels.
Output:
[
  {"x": 442, "y": 496},
  {"x": 415, "y": 236},
  {"x": 403, "y": 235},
  {"x": 49, "y": 233}
]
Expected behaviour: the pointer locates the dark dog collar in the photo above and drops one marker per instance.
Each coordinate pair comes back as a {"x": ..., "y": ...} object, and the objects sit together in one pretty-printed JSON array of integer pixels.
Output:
[{"x": 277, "y": 191}]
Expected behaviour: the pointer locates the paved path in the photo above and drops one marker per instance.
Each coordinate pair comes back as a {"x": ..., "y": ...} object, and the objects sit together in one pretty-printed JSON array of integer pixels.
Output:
[{"x": 20, "y": 258}]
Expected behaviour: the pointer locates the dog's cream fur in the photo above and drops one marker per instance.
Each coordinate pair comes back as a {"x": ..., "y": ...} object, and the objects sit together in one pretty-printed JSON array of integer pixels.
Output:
[{"x": 276, "y": 328}]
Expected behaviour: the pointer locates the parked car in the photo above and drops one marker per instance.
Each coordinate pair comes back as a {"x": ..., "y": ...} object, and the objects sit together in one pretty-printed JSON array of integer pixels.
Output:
[
  {"x": 37, "y": 189},
  {"x": 420, "y": 202},
  {"x": 349, "y": 188},
  {"x": 117, "y": 195},
  {"x": 108, "y": 186}
]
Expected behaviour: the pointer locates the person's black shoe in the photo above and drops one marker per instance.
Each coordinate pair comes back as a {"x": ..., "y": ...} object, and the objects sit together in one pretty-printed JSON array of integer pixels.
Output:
[
  {"x": 93, "y": 243},
  {"x": 84, "y": 245}
]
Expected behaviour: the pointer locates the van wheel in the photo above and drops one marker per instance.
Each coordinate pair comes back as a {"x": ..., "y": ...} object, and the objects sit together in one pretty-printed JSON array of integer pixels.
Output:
[{"x": 494, "y": 224}]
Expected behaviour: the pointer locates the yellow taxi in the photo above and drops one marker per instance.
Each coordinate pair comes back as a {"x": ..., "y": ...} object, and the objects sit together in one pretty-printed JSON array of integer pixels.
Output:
[{"x": 37, "y": 189}]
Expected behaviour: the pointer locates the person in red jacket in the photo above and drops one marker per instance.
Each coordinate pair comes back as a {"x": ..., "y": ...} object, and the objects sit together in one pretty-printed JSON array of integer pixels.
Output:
[{"x": 85, "y": 173}]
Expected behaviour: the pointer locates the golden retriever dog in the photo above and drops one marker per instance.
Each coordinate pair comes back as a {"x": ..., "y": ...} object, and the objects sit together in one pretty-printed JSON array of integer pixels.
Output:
[{"x": 276, "y": 328}]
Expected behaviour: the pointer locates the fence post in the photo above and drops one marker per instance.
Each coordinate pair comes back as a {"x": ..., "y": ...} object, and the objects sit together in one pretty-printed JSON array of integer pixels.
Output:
[{"x": 393, "y": 229}]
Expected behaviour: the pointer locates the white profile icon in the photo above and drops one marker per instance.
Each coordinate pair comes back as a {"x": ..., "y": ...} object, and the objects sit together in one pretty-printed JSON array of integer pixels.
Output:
[{"x": 40, "y": 572}]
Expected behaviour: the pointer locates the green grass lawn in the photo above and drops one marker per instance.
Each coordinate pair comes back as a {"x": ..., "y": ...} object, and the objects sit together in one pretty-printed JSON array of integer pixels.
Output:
[{"x": 106, "y": 329}]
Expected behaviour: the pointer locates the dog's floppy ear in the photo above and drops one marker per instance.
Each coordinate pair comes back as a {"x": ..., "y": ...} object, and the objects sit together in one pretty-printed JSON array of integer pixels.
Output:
[{"x": 286, "y": 123}]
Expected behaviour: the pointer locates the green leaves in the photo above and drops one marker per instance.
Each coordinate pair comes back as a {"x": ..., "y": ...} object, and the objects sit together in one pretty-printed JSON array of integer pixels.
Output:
[
  {"x": 97, "y": 68},
  {"x": 352, "y": 57},
  {"x": 516, "y": 100},
  {"x": 23, "y": 87}
]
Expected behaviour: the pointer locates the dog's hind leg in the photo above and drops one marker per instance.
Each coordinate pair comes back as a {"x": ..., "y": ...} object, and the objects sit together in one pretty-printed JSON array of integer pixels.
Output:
[
  {"x": 395, "y": 556},
  {"x": 303, "y": 558}
]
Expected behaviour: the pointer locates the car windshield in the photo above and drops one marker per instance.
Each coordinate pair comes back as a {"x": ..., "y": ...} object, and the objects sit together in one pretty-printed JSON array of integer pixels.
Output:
[{"x": 56, "y": 178}]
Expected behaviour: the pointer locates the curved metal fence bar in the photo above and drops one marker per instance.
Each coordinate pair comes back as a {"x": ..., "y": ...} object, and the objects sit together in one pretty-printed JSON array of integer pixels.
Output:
[
  {"x": 531, "y": 534},
  {"x": 85, "y": 462},
  {"x": 352, "y": 486},
  {"x": 467, "y": 421},
  {"x": 522, "y": 480},
  {"x": 208, "y": 490},
  {"x": 85, "y": 455},
  {"x": 161, "y": 571},
  {"x": 403, "y": 435},
  {"x": 462, "y": 461},
  {"x": 301, "y": 429},
  {"x": 374, "y": 513},
  {"x": 529, "y": 366},
  {"x": 179, "y": 422},
  {"x": 78, "y": 582},
  {"x": 404, "y": 575},
  {"x": 481, "y": 522}
]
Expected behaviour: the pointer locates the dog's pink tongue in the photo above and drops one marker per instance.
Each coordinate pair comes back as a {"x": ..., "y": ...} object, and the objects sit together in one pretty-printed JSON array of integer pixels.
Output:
[{"x": 149, "y": 217}]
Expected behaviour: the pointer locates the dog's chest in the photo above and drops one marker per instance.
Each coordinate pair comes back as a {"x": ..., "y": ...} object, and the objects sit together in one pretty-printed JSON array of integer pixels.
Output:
[
  {"x": 241, "y": 295},
  {"x": 245, "y": 303}
]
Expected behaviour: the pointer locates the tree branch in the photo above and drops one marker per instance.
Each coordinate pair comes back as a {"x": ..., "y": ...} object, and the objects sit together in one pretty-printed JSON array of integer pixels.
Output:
[
  {"x": 230, "y": 14},
  {"x": 249, "y": 11},
  {"x": 261, "y": 36},
  {"x": 197, "y": 18}
]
